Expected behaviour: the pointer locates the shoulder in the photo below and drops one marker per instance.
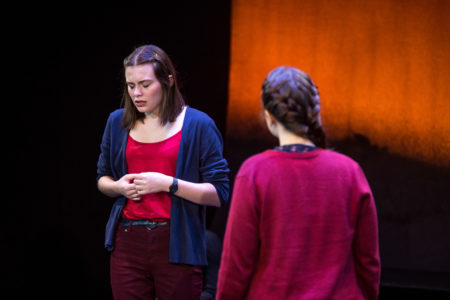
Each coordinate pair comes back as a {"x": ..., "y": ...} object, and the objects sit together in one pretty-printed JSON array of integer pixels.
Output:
[
  {"x": 258, "y": 158},
  {"x": 338, "y": 163},
  {"x": 197, "y": 116},
  {"x": 255, "y": 163},
  {"x": 200, "y": 124},
  {"x": 115, "y": 120},
  {"x": 264, "y": 162},
  {"x": 338, "y": 158},
  {"x": 116, "y": 114},
  {"x": 115, "y": 117}
]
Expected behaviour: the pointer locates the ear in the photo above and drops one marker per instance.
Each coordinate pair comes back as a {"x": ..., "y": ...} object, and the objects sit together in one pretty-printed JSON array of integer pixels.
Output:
[
  {"x": 171, "y": 80},
  {"x": 271, "y": 123},
  {"x": 270, "y": 120}
]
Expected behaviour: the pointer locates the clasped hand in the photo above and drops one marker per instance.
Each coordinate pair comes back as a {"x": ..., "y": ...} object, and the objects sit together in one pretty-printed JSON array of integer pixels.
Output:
[{"x": 133, "y": 186}]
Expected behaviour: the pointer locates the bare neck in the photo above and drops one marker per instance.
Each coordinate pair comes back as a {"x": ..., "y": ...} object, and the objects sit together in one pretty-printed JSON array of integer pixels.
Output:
[{"x": 286, "y": 137}]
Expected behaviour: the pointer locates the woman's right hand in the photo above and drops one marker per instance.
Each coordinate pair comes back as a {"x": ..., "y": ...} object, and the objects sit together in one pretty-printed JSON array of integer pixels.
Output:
[{"x": 126, "y": 187}]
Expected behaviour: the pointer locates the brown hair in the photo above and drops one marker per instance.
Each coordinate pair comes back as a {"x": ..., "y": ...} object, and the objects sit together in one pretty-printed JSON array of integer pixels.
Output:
[
  {"x": 172, "y": 102},
  {"x": 293, "y": 99}
]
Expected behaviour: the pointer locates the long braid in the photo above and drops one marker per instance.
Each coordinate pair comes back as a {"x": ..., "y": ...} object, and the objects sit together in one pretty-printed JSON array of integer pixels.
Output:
[
  {"x": 316, "y": 132},
  {"x": 293, "y": 99}
]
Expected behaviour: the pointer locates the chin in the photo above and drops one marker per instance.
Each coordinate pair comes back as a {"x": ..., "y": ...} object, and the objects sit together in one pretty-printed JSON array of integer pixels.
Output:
[{"x": 142, "y": 110}]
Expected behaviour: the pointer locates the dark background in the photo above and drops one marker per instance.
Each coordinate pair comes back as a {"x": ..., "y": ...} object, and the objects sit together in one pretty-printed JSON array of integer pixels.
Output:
[{"x": 64, "y": 72}]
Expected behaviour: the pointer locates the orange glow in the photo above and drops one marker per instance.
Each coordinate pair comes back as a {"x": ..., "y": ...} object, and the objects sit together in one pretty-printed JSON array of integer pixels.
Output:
[{"x": 382, "y": 68}]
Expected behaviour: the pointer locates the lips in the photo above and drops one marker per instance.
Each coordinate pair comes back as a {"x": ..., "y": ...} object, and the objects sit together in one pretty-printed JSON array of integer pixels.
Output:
[{"x": 140, "y": 103}]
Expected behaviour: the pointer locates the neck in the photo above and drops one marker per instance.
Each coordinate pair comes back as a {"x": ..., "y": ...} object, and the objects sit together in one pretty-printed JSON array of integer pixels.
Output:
[
  {"x": 151, "y": 118},
  {"x": 286, "y": 137},
  {"x": 150, "y": 115}
]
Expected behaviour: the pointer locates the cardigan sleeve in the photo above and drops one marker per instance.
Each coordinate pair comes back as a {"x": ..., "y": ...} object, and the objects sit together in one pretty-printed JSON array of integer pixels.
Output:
[
  {"x": 213, "y": 167},
  {"x": 107, "y": 166},
  {"x": 104, "y": 164}
]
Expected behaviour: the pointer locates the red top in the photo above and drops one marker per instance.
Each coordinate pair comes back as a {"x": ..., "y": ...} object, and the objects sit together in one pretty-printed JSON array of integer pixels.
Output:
[
  {"x": 301, "y": 226},
  {"x": 158, "y": 157}
]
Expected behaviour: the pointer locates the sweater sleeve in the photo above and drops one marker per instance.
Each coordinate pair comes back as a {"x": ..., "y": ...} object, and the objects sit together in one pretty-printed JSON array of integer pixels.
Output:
[
  {"x": 241, "y": 243},
  {"x": 365, "y": 245},
  {"x": 213, "y": 167}
]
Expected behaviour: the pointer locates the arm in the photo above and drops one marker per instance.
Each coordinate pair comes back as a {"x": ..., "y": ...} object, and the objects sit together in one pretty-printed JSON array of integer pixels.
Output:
[
  {"x": 122, "y": 187},
  {"x": 240, "y": 254},
  {"x": 199, "y": 193},
  {"x": 365, "y": 245}
]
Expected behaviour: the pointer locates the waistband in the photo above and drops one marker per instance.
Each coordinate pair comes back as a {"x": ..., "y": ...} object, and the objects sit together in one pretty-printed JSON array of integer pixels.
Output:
[{"x": 150, "y": 224}]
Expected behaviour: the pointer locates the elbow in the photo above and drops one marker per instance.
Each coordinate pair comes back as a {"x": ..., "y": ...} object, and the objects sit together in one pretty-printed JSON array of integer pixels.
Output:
[
  {"x": 100, "y": 183},
  {"x": 211, "y": 201},
  {"x": 212, "y": 196},
  {"x": 221, "y": 193}
]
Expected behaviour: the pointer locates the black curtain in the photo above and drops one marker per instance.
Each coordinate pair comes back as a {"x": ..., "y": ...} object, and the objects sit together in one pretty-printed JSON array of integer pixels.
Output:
[{"x": 65, "y": 63}]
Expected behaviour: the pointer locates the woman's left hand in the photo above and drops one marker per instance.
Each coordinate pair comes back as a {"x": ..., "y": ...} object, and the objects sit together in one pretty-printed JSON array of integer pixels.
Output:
[{"x": 152, "y": 182}]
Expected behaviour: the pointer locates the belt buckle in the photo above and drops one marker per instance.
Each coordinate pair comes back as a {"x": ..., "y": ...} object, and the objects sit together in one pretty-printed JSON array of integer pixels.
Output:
[{"x": 151, "y": 225}]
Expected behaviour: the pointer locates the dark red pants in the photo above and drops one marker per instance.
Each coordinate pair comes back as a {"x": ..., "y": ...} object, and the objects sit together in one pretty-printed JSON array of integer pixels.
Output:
[{"x": 140, "y": 267}]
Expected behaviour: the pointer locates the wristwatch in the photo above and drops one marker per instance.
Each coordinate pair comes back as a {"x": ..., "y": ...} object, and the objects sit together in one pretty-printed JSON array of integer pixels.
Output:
[{"x": 173, "y": 188}]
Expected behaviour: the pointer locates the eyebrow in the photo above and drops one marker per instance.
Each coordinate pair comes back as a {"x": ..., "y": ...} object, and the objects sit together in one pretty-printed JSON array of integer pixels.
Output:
[{"x": 142, "y": 81}]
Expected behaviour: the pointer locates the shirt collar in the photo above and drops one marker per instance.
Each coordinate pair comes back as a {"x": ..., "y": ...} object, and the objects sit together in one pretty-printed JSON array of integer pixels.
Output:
[{"x": 299, "y": 148}]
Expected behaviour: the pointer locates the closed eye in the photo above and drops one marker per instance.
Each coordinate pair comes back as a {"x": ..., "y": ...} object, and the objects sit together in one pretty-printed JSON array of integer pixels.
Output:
[{"x": 146, "y": 83}]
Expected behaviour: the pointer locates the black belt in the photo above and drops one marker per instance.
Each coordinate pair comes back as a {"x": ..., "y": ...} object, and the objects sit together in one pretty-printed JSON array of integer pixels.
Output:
[{"x": 150, "y": 224}]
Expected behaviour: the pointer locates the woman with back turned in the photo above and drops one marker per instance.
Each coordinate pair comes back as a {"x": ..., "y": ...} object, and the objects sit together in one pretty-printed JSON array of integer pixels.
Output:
[
  {"x": 163, "y": 162},
  {"x": 302, "y": 222}
]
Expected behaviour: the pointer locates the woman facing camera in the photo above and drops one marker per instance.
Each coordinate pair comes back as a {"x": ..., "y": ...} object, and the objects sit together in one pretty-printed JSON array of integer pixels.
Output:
[
  {"x": 302, "y": 222},
  {"x": 163, "y": 163}
]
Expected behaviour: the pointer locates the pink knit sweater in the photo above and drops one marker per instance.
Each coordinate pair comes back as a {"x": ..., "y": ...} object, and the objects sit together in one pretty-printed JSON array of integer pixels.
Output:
[{"x": 301, "y": 226}]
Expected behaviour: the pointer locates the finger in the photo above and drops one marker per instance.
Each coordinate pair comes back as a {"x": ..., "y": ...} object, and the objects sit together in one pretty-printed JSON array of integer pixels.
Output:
[
  {"x": 141, "y": 187},
  {"x": 135, "y": 198},
  {"x": 130, "y": 176},
  {"x": 139, "y": 176},
  {"x": 131, "y": 190},
  {"x": 138, "y": 181}
]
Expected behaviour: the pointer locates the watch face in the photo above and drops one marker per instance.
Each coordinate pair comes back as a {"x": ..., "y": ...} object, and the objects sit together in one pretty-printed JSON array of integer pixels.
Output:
[{"x": 174, "y": 187}]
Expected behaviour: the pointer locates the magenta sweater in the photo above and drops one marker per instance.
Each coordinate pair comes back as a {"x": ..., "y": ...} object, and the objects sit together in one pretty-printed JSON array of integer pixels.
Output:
[{"x": 301, "y": 226}]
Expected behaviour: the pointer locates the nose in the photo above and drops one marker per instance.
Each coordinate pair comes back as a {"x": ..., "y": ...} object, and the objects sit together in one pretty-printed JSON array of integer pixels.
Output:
[{"x": 137, "y": 91}]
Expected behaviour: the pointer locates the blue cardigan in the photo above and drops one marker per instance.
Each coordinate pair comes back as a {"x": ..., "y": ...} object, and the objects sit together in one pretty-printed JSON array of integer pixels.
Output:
[{"x": 199, "y": 160}]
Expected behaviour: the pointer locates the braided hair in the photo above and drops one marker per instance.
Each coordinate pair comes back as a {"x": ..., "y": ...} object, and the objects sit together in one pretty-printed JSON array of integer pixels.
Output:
[{"x": 292, "y": 98}]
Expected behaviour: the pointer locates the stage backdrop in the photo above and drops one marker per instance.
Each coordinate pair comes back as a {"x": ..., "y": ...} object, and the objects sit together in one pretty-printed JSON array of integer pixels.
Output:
[{"x": 382, "y": 68}]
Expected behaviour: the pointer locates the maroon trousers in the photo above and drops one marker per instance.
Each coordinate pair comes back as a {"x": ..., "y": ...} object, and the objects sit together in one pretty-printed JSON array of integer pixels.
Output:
[{"x": 140, "y": 267}]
